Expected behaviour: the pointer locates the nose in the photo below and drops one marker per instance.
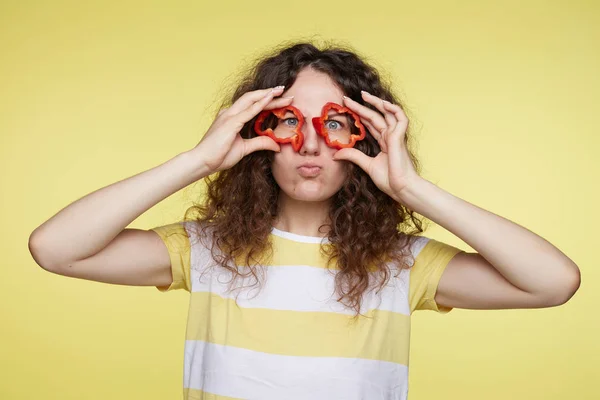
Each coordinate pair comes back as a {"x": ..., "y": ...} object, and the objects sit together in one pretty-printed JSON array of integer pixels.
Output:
[{"x": 312, "y": 142}]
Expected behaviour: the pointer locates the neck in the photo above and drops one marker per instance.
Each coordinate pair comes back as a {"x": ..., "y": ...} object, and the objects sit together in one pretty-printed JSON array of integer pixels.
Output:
[{"x": 302, "y": 217}]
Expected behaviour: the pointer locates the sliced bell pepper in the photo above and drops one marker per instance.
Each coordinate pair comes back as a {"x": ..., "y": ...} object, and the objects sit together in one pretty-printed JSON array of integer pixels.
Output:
[
  {"x": 297, "y": 140},
  {"x": 319, "y": 124}
]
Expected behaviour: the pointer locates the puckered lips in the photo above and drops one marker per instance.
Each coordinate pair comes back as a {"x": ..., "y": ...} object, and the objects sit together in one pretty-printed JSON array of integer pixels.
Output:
[{"x": 309, "y": 169}]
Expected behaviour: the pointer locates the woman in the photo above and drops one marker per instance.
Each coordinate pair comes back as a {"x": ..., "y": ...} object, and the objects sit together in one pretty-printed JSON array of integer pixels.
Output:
[{"x": 304, "y": 261}]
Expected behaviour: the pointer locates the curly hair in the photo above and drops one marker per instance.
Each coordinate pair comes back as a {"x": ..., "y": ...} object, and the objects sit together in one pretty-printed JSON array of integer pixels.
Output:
[{"x": 368, "y": 229}]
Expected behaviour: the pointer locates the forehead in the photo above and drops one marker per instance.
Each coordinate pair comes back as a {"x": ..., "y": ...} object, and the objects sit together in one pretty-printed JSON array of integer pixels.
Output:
[{"x": 312, "y": 89}]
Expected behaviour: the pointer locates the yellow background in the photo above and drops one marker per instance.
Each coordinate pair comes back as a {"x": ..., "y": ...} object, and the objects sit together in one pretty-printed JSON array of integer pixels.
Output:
[{"x": 502, "y": 95}]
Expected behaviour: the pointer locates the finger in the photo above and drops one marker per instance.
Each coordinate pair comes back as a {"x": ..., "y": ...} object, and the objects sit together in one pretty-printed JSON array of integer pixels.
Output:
[
  {"x": 250, "y": 112},
  {"x": 367, "y": 114},
  {"x": 252, "y": 97},
  {"x": 376, "y": 132},
  {"x": 397, "y": 137},
  {"x": 400, "y": 116},
  {"x": 379, "y": 104},
  {"x": 357, "y": 157},
  {"x": 260, "y": 143},
  {"x": 376, "y": 135},
  {"x": 395, "y": 154},
  {"x": 279, "y": 102}
]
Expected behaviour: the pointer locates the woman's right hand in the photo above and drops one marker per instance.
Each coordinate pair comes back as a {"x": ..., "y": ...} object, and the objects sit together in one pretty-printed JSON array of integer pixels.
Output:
[{"x": 222, "y": 146}]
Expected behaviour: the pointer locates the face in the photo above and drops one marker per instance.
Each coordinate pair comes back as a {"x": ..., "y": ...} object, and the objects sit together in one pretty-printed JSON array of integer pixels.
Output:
[{"x": 311, "y": 90}]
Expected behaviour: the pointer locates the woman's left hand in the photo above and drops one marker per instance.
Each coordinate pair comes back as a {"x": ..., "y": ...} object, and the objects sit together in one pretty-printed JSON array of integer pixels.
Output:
[{"x": 391, "y": 170}]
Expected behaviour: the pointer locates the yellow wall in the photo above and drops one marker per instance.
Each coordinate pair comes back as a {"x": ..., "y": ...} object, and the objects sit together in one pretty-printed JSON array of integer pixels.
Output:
[{"x": 503, "y": 97}]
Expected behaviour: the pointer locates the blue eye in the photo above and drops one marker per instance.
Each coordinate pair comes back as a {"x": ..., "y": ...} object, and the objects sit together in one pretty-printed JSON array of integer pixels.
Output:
[
  {"x": 336, "y": 124},
  {"x": 290, "y": 121}
]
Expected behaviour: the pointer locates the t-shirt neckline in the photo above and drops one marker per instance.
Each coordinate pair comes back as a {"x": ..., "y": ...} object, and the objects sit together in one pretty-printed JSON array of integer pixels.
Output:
[{"x": 299, "y": 238}]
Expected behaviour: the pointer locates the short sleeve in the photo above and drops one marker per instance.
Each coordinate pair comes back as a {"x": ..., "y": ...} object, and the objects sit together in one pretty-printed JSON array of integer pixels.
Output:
[
  {"x": 426, "y": 272},
  {"x": 177, "y": 241}
]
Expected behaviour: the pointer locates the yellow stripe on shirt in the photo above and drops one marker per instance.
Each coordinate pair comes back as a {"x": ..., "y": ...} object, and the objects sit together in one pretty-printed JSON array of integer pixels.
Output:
[{"x": 381, "y": 336}]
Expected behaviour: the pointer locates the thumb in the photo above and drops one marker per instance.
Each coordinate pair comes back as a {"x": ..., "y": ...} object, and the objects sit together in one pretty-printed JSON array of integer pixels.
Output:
[
  {"x": 356, "y": 156},
  {"x": 260, "y": 143}
]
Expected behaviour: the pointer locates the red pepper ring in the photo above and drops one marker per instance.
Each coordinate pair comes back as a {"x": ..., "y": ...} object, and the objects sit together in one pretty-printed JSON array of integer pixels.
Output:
[
  {"x": 319, "y": 124},
  {"x": 297, "y": 140}
]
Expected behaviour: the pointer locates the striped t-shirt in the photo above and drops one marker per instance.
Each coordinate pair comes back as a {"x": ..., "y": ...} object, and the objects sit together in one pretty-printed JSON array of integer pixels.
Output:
[{"x": 289, "y": 338}]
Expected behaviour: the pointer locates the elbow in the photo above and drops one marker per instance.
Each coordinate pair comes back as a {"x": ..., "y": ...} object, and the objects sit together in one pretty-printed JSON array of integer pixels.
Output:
[
  {"x": 568, "y": 287},
  {"x": 37, "y": 251},
  {"x": 574, "y": 283}
]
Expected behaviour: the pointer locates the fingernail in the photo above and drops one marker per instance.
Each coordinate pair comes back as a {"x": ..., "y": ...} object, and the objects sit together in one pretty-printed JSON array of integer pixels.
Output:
[
  {"x": 288, "y": 97},
  {"x": 364, "y": 92},
  {"x": 346, "y": 98},
  {"x": 278, "y": 87}
]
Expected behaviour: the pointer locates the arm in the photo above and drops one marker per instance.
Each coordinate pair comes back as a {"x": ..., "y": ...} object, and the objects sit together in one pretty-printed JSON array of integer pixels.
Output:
[
  {"x": 513, "y": 267},
  {"x": 87, "y": 239}
]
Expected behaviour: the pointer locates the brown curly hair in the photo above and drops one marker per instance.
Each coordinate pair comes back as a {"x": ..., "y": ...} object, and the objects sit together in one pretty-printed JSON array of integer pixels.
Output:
[{"x": 368, "y": 228}]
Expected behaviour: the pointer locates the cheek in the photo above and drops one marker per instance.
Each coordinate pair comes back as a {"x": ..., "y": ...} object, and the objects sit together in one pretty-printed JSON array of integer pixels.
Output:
[
  {"x": 338, "y": 174},
  {"x": 281, "y": 169},
  {"x": 337, "y": 170}
]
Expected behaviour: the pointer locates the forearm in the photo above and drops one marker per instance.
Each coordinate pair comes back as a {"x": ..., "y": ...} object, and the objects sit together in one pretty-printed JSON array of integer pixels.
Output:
[
  {"x": 525, "y": 259},
  {"x": 90, "y": 223}
]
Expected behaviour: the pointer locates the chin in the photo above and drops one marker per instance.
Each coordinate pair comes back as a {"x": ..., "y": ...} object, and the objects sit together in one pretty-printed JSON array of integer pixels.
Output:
[
  {"x": 311, "y": 191},
  {"x": 310, "y": 197}
]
